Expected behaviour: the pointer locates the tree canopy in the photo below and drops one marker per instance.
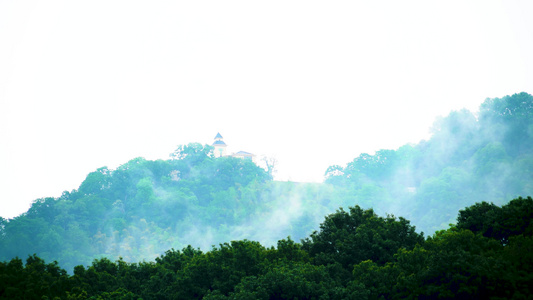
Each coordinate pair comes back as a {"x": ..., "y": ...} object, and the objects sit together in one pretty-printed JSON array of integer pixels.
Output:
[
  {"x": 119, "y": 225},
  {"x": 470, "y": 157},
  {"x": 354, "y": 255}
]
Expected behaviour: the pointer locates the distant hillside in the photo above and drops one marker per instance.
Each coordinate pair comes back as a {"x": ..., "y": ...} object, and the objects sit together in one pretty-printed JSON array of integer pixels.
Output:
[
  {"x": 144, "y": 208},
  {"x": 469, "y": 158}
]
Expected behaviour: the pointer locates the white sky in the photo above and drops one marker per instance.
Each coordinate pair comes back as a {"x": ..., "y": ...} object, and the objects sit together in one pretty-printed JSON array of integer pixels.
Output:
[{"x": 86, "y": 84}]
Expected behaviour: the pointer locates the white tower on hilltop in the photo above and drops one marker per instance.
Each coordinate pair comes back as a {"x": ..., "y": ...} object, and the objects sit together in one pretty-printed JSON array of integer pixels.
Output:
[{"x": 220, "y": 146}]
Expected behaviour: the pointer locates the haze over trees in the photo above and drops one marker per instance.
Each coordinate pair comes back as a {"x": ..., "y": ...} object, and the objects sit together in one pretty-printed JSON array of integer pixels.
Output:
[
  {"x": 144, "y": 208},
  {"x": 468, "y": 159},
  {"x": 354, "y": 255}
]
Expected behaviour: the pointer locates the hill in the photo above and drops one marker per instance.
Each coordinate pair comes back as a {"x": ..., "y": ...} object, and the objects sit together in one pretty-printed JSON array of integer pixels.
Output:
[
  {"x": 469, "y": 158},
  {"x": 144, "y": 208}
]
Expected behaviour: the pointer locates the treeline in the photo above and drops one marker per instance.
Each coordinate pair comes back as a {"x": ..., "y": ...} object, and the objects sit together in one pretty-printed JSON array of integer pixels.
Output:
[
  {"x": 143, "y": 207},
  {"x": 355, "y": 254},
  {"x": 469, "y": 158},
  {"x": 138, "y": 210}
]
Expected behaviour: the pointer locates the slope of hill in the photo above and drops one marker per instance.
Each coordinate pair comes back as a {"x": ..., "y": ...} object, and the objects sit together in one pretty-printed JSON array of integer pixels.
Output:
[
  {"x": 469, "y": 158},
  {"x": 144, "y": 207}
]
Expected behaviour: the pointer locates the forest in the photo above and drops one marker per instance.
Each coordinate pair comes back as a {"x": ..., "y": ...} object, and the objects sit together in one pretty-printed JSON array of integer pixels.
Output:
[
  {"x": 244, "y": 235},
  {"x": 355, "y": 254}
]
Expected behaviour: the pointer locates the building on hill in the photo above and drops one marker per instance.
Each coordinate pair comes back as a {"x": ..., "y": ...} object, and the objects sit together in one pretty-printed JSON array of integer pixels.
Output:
[
  {"x": 221, "y": 150},
  {"x": 244, "y": 155},
  {"x": 220, "y": 146}
]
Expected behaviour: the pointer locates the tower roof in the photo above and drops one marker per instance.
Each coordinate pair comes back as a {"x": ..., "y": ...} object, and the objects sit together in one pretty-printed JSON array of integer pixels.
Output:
[
  {"x": 218, "y": 136},
  {"x": 219, "y": 143}
]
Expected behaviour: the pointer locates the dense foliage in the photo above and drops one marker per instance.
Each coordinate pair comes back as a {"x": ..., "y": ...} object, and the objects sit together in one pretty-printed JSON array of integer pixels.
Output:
[
  {"x": 354, "y": 255},
  {"x": 144, "y": 207},
  {"x": 138, "y": 210},
  {"x": 469, "y": 158}
]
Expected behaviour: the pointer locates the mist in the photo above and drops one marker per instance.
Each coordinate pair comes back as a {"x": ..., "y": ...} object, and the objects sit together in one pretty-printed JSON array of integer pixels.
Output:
[
  {"x": 145, "y": 207},
  {"x": 470, "y": 157}
]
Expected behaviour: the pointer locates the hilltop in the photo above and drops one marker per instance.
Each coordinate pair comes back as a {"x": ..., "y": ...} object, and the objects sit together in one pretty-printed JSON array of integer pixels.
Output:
[{"x": 144, "y": 207}]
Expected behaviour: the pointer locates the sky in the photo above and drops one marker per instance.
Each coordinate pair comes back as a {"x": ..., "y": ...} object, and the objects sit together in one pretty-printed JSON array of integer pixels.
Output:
[{"x": 87, "y": 84}]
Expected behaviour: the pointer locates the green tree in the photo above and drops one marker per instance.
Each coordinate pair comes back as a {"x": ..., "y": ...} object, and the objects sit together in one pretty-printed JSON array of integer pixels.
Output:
[
  {"x": 457, "y": 264},
  {"x": 194, "y": 152},
  {"x": 287, "y": 281},
  {"x": 496, "y": 222},
  {"x": 348, "y": 238}
]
